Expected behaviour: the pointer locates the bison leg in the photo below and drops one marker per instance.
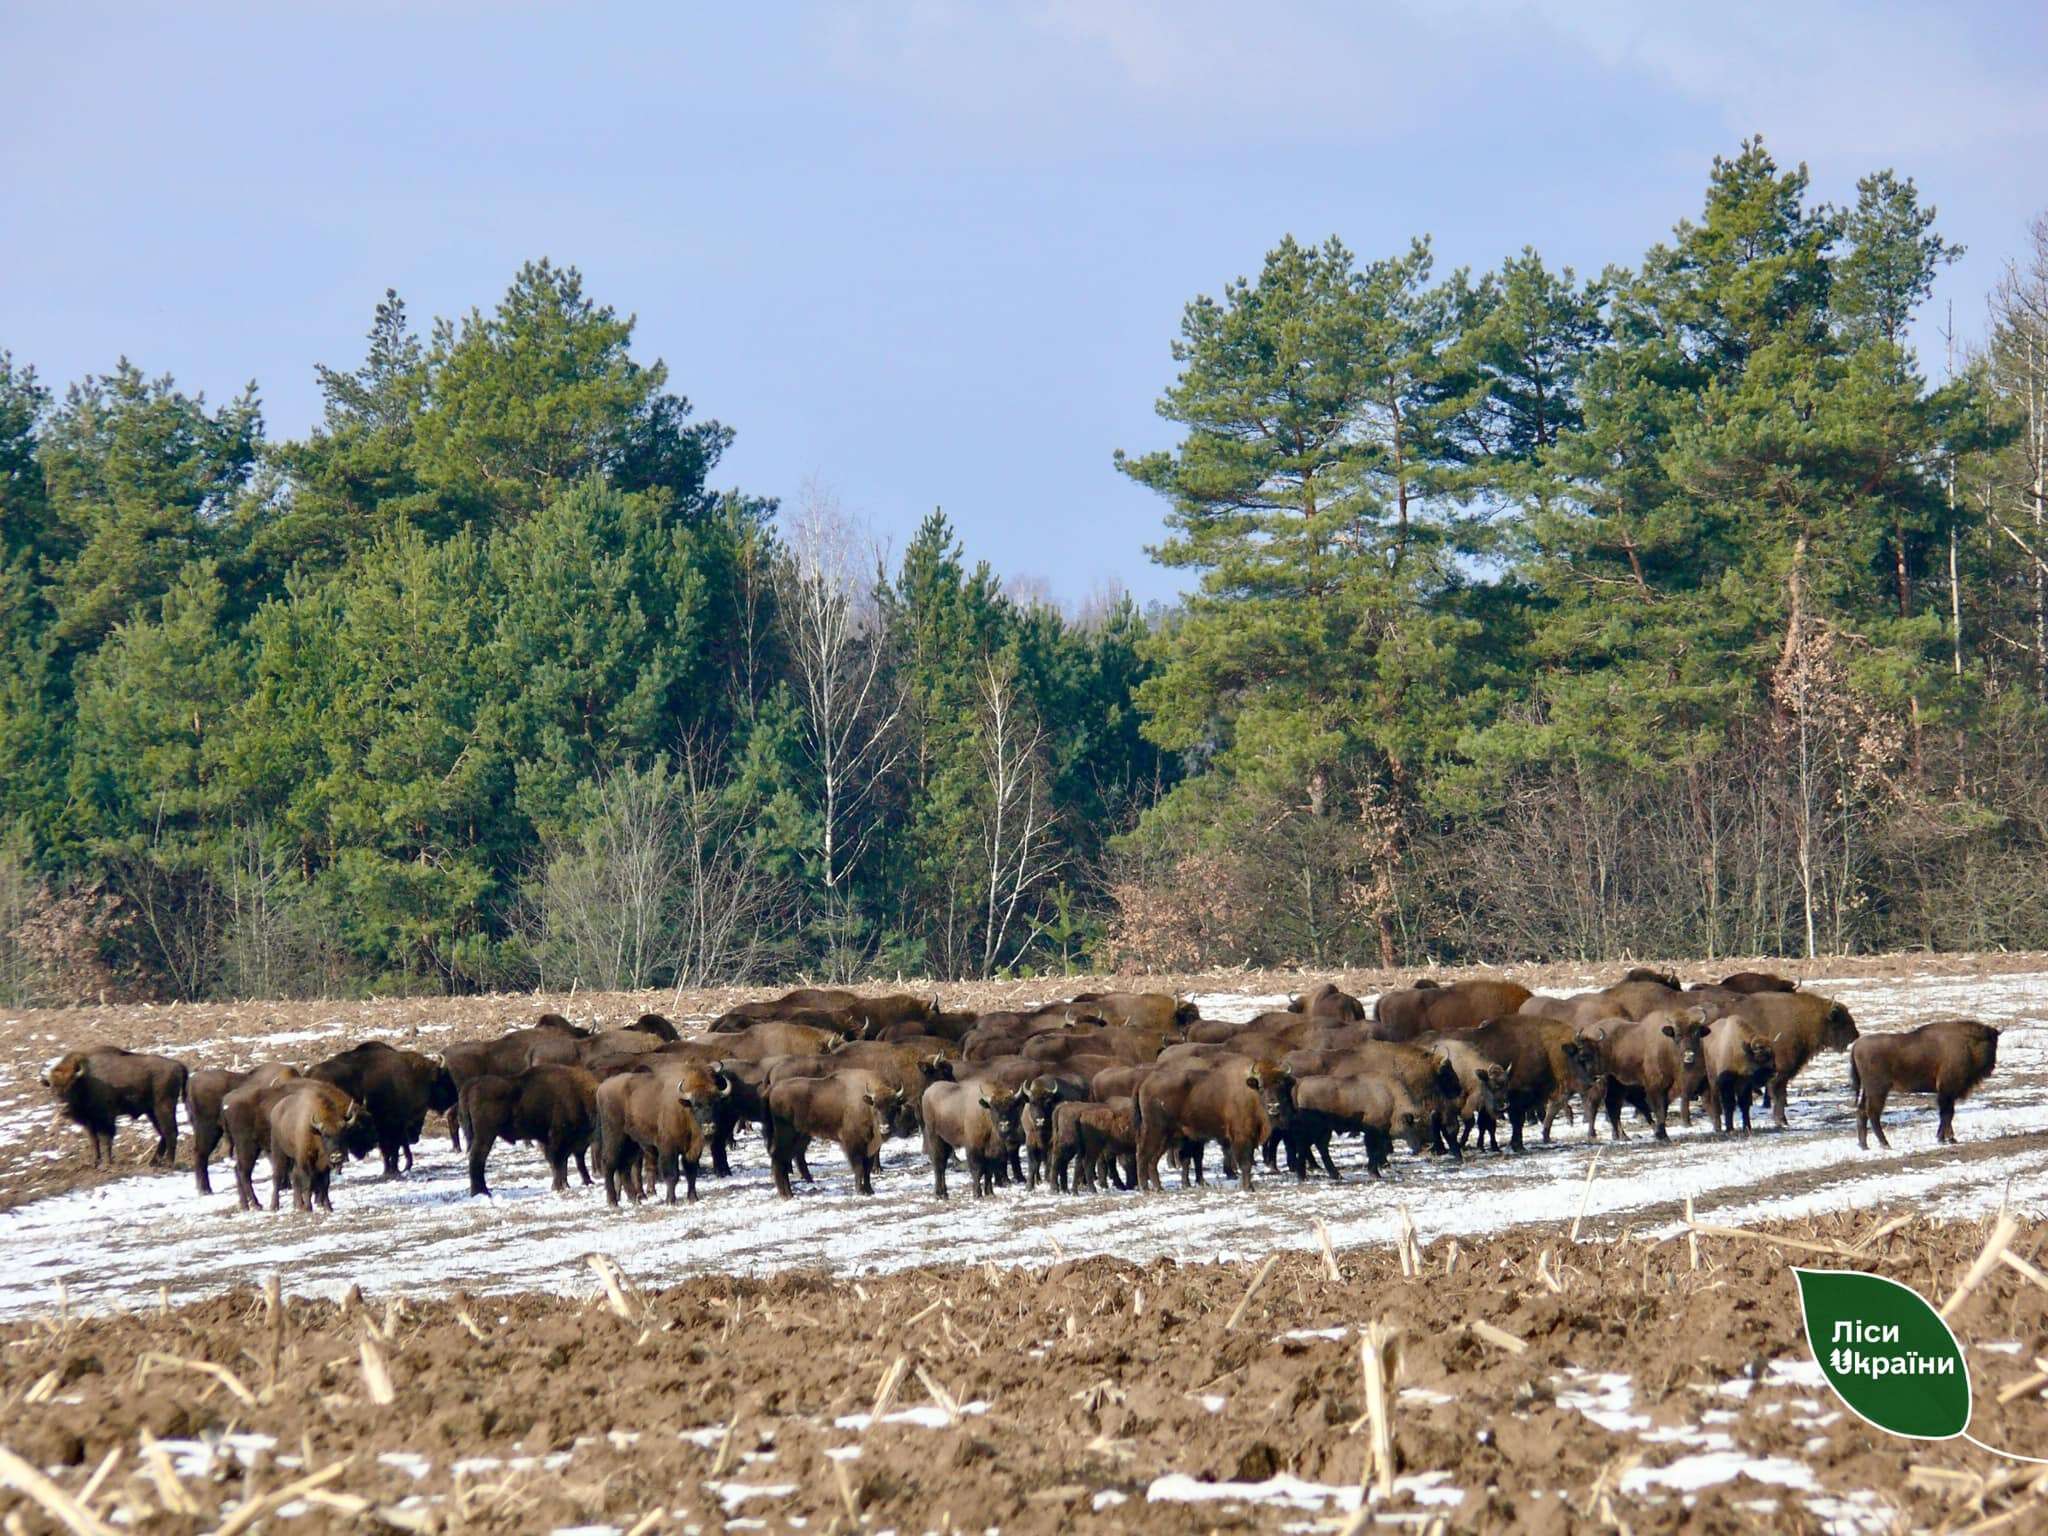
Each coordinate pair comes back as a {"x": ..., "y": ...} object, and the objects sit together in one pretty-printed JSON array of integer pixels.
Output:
[
  {"x": 454, "y": 1119},
  {"x": 1319, "y": 1144},
  {"x": 1660, "y": 1113},
  {"x": 1246, "y": 1158},
  {"x": 1151, "y": 1147},
  {"x": 1862, "y": 1122},
  {"x": 1062, "y": 1164},
  {"x": 1945, "y": 1130},
  {"x": 1379, "y": 1147},
  {"x": 479, "y": 1153},
  {"x": 778, "y": 1164},
  {"x": 608, "y": 1155},
  {"x": 1516, "y": 1114},
  {"x": 690, "y": 1165},
  {"x": 165, "y": 1118},
  {"x": 205, "y": 1141},
  {"x": 245, "y": 1179},
  {"x": 1778, "y": 1086},
  {"x": 671, "y": 1170},
  {"x": 937, "y": 1151}
]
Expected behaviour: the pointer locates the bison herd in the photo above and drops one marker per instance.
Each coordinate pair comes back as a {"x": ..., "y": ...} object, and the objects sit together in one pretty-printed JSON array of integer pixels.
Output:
[{"x": 1085, "y": 1094}]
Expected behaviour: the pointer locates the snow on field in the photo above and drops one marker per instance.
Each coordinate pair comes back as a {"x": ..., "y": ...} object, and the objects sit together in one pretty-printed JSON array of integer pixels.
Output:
[{"x": 117, "y": 1243}]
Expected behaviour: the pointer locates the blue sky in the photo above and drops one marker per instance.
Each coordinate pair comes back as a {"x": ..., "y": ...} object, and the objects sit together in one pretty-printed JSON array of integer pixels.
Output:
[{"x": 925, "y": 253}]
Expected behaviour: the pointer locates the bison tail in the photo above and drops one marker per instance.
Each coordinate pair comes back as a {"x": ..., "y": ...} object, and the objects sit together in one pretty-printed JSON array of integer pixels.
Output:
[{"x": 1855, "y": 1078}]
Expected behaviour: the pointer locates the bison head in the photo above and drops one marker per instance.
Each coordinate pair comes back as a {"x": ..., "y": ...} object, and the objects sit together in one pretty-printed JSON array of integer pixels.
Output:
[
  {"x": 1410, "y": 1129},
  {"x": 898, "y": 1112},
  {"x": 442, "y": 1090},
  {"x": 1006, "y": 1113},
  {"x": 1274, "y": 1085},
  {"x": 66, "y": 1072},
  {"x": 1838, "y": 1030},
  {"x": 1185, "y": 1016}
]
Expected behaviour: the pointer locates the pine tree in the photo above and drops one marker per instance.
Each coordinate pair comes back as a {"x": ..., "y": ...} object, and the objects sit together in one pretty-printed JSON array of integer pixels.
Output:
[
  {"x": 1310, "y": 665},
  {"x": 140, "y": 477}
]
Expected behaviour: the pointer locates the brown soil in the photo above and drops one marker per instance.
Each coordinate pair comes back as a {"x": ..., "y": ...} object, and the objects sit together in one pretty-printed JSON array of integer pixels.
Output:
[{"x": 1093, "y": 1373}]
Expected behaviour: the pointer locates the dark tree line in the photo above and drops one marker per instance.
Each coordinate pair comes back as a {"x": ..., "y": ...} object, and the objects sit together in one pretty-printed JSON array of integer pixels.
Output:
[{"x": 1674, "y": 610}]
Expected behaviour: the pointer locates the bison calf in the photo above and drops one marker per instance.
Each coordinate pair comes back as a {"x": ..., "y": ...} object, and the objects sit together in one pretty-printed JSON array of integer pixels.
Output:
[{"x": 1947, "y": 1058}]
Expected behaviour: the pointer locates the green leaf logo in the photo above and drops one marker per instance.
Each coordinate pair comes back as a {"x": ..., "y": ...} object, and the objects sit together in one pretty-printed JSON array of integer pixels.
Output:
[{"x": 1886, "y": 1352}]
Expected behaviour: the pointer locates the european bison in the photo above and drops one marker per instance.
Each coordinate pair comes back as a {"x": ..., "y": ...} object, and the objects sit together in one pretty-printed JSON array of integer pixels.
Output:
[
  {"x": 1799, "y": 1025},
  {"x": 310, "y": 1126},
  {"x": 253, "y": 1128},
  {"x": 1751, "y": 982},
  {"x": 855, "y": 1108},
  {"x": 555, "y": 1106},
  {"x": 102, "y": 1086},
  {"x": 1405, "y": 1013},
  {"x": 1947, "y": 1058},
  {"x": 665, "y": 1117},
  {"x": 1734, "y": 1061},
  {"x": 1376, "y": 1108},
  {"x": 205, "y": 1090},
  {"x": 980, "y": 1122},
  {"x": 1325, "y": 1001},
  {"x": 1155, "y": 1012},
  {"x": 1643, "y": 1060},
  {"x": 397, "y": 1089},
  {"x": 1235, "y": 1102},
  {"x": 1091, "y": 1142},
  {"x": 1543, "y": 1059}
]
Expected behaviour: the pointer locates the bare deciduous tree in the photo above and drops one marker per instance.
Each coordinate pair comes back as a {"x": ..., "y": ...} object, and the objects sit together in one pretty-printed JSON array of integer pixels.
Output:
[
  {"x": 1019, "y": 854},
  {"x": 663, "y": 884},
  {"x": 838, "y": 663}
]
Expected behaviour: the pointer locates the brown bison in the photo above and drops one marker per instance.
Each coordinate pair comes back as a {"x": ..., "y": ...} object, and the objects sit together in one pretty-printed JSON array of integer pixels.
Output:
[
  {"x": 304, "y": 1146},
  {"x": 1377, "y": 1109},
  {"x": 1093, "y": 1144},
  {"x": 1752, "y": 982},
  {"x": 102, "y": 1086},
  {"x": 665, "y": 1118},
  {"x": 1643, "y": 1060},
  {"x": 554, "y": 1106},
  {"x": 397, "y": 1089},
  {"x": 1405, "y": 1013},
  {"x": 1155, "y": 1012},
  {"x": 980, "y": 1121},
  {"x": 1947, "y": 1058},
  {"x": 1325, "y": 1001},
  {"x": 310, "y": 1126},
  {"x": 855, "y": 1108},
  {"x": 1733, "y": 1062},
  {"x": 1799, "y": 1025},
  {"x": 1544, "y": 1060},
  {"x": 1236, "y": 1102},
  {"x": 205, "y": 1090}
]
